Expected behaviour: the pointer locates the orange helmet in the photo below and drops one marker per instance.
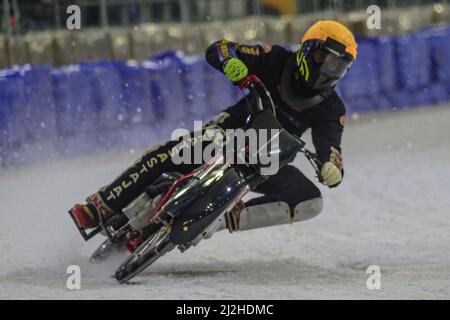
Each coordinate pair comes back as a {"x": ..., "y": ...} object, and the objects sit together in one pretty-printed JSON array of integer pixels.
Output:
[
  {"x": 328, "y": 49},
  {"x": 324, "y": 29}
]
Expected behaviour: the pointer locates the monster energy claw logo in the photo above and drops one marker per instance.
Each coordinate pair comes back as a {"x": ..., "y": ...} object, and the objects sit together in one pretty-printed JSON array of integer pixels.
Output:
[{"x": 301, "y": 62}]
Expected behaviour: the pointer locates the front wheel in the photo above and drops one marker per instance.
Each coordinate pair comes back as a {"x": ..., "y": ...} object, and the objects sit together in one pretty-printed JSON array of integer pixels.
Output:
[{"x": 147, "y": 253}]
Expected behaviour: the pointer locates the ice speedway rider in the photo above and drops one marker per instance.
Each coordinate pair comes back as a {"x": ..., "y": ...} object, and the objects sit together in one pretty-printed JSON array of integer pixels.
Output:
[{"x": 302, "y": 86}]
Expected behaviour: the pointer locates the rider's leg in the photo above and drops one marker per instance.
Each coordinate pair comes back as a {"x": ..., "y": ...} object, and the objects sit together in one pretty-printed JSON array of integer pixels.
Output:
[
  {"x": 289, "y": 196},
  {"x": 112, "y": 198}
]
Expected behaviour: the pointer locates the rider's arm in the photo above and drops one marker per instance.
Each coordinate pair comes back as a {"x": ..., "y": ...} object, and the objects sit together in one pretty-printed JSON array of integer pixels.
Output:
[
  {"x": 327, "y": 133},
  {"x": 219, "y": 52}
]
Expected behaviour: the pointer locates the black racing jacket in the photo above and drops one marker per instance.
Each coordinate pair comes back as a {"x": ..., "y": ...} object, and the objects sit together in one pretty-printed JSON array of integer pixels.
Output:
[{"x": 326, "y": 119}]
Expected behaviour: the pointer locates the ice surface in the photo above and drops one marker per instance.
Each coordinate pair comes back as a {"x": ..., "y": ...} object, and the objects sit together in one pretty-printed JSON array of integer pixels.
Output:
[{"x": 392, "y": 210}]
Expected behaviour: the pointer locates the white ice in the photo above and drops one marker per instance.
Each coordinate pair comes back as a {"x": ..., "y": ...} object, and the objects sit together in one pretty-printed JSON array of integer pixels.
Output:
[{"x": 392, "y": 210}]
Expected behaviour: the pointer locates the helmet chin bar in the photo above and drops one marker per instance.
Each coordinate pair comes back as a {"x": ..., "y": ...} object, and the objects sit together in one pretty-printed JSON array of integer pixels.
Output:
[{"x": 324, "y": 82}]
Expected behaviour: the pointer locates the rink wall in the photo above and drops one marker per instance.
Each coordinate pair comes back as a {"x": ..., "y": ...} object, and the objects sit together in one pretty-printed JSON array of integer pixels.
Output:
[{"x": 46, "y": 112}]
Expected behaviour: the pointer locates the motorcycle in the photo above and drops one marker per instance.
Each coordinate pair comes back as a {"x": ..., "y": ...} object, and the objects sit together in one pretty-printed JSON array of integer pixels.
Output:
[{"x": 179, "y": 211}]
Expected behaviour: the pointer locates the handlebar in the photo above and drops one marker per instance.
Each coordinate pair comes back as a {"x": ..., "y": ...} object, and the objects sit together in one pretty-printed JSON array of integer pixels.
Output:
[
  {"x": 255, "y": 85},
  {"x": 247, "y": 81}
]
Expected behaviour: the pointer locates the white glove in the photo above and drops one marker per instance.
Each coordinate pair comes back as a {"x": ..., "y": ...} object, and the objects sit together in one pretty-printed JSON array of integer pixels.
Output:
[{"x": 331, "y": 171}]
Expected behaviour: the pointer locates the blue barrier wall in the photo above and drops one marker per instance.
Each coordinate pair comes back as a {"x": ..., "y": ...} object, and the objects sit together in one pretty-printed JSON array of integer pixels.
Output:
[{"x": 96, "y": 106}]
